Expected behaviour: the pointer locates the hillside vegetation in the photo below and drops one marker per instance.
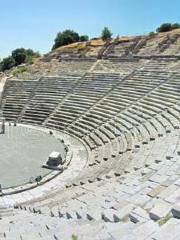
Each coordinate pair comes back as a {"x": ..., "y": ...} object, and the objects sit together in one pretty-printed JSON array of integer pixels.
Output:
[{"x": 94, "y": 48}]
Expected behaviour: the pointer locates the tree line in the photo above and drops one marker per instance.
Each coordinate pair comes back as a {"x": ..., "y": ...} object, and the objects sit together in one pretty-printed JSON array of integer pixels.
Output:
[
  {"x": 166, "y": 27},
  {"x": 69, "y": 36},
  {"x": 21, "y": 55},
  {"x": 18, "y": 57}
]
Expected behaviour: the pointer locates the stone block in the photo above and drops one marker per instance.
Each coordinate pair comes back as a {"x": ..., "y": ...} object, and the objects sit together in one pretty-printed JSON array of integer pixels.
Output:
[
  {"x": 169, "y": 231},
  {"x": 145, "y": 230},
  {"x": 176, "y": 211},
  {"x": 177, "y": 182},
  {"x": 108, "y": 215},
  {"x": 167, "y": 191},
  {"x": 155, "y": 191},
  {"x": 159, "y": 178},
  {"x": 174, "y": 197},
  {"x": 160, "y": 210},
  {"x": 139, "y": 215},
  {"x": 124, "y": 211},
  {"x": 139, "y": 199}
]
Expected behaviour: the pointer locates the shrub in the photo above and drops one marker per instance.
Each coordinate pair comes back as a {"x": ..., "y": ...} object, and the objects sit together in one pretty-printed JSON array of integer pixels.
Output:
[
  {"x": 30, "y": 52},
  {"x": 7, "y": 63},
  {"x": 19, "y": 70},
  {"x": 95, "y": 38},
  {"x": 19, "y": 55},
  {"x": 29, "y": 59},
  {"x": 165, "y": 27},
  {"x": 106, "y": 34},
  {"x": 175, "y": 26},
  {"x": 84, "y": 38},
  {"x": 151, "y": 34},
  {"x": 64, "y": 38}
]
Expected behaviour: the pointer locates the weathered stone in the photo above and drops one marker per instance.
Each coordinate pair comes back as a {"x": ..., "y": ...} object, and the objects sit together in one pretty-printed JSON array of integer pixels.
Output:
[
  {"x": 176, "y": 210},
  {"x": 145, "y": 230},
  {"x": 160, "y": 210},
  {"x": 169, "y": 231},
  {"x": 177, "y": 182},
  {"x": 139, "y": 199},
  {"x": 155, "y": 191},
  {"x": 139, "y": 215},
  {"x": 167, "y": 191},
  {"x": 124, "y": 211},
  {"x": 174, "y": 197},
  {"x": 158, "y": 178}
]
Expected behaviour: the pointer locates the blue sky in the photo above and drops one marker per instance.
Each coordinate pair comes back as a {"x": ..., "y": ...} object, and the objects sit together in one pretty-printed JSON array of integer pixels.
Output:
[{"x": 34, "y": 23}]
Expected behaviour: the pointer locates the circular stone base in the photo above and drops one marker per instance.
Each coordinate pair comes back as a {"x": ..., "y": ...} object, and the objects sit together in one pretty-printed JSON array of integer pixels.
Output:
[{"x": 23, "y": 151}]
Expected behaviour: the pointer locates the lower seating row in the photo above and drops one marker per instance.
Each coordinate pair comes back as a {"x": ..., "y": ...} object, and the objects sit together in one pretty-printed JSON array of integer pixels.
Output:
[{"x": 129, "y": 188}]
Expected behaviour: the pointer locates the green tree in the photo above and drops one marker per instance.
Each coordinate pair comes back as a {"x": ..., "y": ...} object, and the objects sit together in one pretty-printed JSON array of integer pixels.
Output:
[
  {"x": 19, "y": 55},
  {"x": 65, "y": 38},
  {"x": 30, "y": 52},
  {"x": 165, "y": 27},
  {"x": 7, "y": 63},
  {"x": 84, "y": 38},
  {"x": 175, "y": 26},
  {"x": 151, "y": 34},
  {"x": 106, "y": 34}
]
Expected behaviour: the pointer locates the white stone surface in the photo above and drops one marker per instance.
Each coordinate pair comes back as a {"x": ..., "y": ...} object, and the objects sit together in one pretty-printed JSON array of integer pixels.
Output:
[{"x": 160, "y": 210}]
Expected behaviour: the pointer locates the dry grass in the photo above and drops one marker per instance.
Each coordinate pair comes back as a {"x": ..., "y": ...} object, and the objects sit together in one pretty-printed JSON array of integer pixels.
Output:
[
  {"x": 164, "y": 220},
  {"x": 48, "y": 62}
]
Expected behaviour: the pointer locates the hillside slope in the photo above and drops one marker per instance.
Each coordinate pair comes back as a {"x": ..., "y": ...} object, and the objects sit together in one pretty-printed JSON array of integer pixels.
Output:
[{"x": 69, "y": 58}]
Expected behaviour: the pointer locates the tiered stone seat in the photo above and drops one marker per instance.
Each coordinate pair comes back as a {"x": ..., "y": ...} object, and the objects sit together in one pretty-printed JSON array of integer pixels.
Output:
[
  {"x": 122, "y": 66},
  {"x": 153, "y": 46},
  {"x": 77, "y": 67},
  {"x": 127, "y": 186},
  {"x": 98, "y": 138},
  {"x": 159, "y": 64},
  {"x": 120, "y": 49},
  {"x": 174, "y": 46},
  {"x": 123, "y": 96},
  {"x": 125, "y": 205},
  {"x": 92, "y": 88},
  {"x": 53, "y": 66},
  {"x": 47, "y": 96},
  {"x": 16, "y": 94}
]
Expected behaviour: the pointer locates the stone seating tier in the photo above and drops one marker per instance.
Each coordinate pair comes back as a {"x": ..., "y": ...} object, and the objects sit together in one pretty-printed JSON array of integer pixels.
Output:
[{"x": 128, "y": 121}]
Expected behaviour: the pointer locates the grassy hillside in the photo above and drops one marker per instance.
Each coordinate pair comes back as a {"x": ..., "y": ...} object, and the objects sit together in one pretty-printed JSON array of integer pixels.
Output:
[{"x": 50, "y": 62}]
